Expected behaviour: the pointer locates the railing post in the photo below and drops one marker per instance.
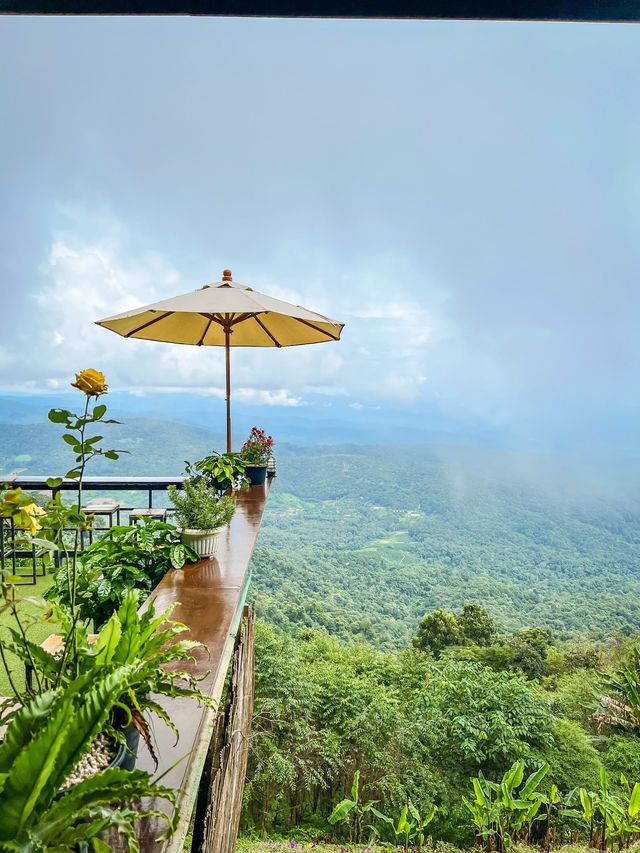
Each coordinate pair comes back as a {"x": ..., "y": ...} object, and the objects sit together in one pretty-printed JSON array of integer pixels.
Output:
[{"x": 217, "y": 817}]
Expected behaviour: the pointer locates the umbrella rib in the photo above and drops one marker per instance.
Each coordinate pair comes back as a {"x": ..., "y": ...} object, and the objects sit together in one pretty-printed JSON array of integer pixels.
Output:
[
  {"x": 318, "y": 329},
  {"x": 149, "y": 323},
  {"x": 204, "y": 334},
  {"x": 212, "y": 317},
  {"x": 264, "y": 329},
  {"x": 242, "y": 317}
]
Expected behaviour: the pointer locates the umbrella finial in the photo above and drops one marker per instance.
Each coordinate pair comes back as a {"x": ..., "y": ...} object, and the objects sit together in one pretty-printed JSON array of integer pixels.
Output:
[{"x": 226, "y": 275}]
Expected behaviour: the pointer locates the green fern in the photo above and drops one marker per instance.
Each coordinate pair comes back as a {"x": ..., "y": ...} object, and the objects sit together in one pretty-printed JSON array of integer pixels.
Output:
[{"x": 45, "y": 740}]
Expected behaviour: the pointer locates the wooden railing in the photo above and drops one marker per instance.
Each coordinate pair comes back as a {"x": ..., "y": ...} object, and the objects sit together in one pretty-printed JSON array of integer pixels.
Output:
[{"x": 210, "y": 596}]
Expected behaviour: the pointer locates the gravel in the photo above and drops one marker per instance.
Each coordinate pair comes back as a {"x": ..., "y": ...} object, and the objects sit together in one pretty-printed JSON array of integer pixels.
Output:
[{"x": 99, "y": 756}]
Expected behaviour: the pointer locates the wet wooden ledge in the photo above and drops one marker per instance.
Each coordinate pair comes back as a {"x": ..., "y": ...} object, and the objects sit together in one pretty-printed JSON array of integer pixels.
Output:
[{"x": 210, "y": 597}]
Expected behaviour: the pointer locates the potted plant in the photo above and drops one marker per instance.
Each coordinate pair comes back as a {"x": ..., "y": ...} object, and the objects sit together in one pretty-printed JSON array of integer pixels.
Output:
[
  {"x": 45, "y": 740},
  {"x": 255, "y": 454},
  {"x": 200, "y": 514},
  {"x": 143, "y": 641},
  {"x": 221, "y": 471}
]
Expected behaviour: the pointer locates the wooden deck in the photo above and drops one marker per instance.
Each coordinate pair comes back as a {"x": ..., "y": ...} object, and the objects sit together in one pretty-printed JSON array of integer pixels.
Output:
[{"x": 211, "y": 596}]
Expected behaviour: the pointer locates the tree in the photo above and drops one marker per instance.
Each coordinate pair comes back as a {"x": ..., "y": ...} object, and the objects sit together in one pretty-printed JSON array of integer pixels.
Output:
[
  {"x": 476, "y": 625},
  {"x": 437, "y": 631}
]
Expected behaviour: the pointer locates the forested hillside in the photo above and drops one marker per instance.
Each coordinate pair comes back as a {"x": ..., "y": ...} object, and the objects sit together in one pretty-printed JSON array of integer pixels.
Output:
[{"x": 362, "y": 541}]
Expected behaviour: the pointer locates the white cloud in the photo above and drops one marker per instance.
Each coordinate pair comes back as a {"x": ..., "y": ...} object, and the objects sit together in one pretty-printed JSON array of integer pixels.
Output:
[
  {"x": 391, "y": 350},
  {"x": 85, "y": 281}
]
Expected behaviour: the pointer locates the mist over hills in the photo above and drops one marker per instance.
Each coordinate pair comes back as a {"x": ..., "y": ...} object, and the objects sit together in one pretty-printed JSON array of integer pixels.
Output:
[{"x": 320, "y": 420}]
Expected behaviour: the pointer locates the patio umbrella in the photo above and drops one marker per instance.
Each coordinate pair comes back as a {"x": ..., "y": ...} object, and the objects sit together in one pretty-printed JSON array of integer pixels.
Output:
[{"x": 225, "y": 314}]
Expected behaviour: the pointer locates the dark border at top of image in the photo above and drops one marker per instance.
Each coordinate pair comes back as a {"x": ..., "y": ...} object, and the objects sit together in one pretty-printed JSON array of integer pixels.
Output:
[
  {"x": 532, "y": 10},
  {"x": 523, "y": 10}
]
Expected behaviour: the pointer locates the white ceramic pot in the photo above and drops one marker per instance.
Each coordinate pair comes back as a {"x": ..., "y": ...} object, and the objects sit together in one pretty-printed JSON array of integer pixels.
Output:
[{"x": 203, "y": 542}]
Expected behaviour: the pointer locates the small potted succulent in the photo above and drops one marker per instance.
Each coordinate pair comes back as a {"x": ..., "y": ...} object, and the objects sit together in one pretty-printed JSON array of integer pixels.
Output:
[
  {"x": 255, "y": 454},
  {"x": 200, "y": 514}
]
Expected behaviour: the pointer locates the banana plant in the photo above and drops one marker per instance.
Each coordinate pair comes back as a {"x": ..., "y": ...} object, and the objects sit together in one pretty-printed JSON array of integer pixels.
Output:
[
  {"x": 410, "y": 826},
  {"x": 610, "y": 817},
  {"x": 620, "y": 702},
  {"x": 503, "y": 812},
  {"x": 352, "y": 810},
  {"x": 44, "y": 741}
]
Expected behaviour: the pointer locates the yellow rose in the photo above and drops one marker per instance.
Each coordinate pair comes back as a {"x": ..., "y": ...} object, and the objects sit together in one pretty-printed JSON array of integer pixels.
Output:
[
  {"x": 92, "y": 382},
  {"x": 29, "y": 520}
]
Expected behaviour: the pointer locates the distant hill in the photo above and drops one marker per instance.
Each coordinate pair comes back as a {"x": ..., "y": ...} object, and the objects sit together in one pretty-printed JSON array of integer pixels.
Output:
[{"x": 154, "y": 448}]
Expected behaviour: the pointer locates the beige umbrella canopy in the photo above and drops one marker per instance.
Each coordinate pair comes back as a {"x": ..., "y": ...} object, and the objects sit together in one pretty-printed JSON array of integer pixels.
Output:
[{"x": 225, "y": 314}]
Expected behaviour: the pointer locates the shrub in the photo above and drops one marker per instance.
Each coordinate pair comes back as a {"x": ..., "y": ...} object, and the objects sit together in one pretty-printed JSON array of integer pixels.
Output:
[
  {"x": 199, "y": 508},
  {"x": 622, "y": 755},
  {"x": 574, "y": 761},
  {"x": 125, "y": 558}
]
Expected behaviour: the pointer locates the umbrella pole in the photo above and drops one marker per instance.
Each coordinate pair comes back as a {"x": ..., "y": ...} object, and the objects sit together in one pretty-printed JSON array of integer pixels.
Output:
[{"x": 227, "y": 351}]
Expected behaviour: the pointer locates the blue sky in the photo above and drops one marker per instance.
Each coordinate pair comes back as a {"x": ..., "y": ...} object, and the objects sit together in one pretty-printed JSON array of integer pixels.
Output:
[{"x": 464, "y": 196}]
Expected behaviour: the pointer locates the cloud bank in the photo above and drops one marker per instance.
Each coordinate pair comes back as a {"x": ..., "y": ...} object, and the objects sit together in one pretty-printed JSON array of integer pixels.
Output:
[{"x": 464, "y": 196}]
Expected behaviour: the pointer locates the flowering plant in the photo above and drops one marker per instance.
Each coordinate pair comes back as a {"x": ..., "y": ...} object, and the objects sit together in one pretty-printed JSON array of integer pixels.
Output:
[
  {"x": 257, "y": 448},
  {"x": 91, "y": 381},
  {"x": 79, "y": 695},
  {"x": 22, "y": 509}
]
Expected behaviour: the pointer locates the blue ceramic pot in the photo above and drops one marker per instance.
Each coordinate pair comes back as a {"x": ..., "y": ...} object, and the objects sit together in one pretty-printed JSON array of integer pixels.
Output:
[{"x": 257, "y": 474}]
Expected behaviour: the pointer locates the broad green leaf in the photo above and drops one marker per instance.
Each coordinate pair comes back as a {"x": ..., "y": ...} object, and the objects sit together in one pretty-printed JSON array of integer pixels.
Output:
[
  {"x": 59, "y": 416},
  {"x": 533, "y": 781},
  {"x": 513, "y": 777},
  {"x": 341, "y": 811},
  {"x": 603, "y": 780},
  {"x": 402, "y": 822},
  {"x": 586, "y": 802},
  {"x": 178, "y": 556},
  {"x": 355, "y": 786},
  {"x": 634, "y": 800},
  {"x": 107, "y": 641},
  {"x": 481, "y": 797},
  {"x": 24, "y": 722},
  {"x": 415, "y": 814},
  {"x": 383, "y": 817},
  {"x": 429, "y": 816}
]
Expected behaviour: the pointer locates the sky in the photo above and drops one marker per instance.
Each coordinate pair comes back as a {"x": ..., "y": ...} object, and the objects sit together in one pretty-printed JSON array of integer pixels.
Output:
[{"x": 464, "y": 196}]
